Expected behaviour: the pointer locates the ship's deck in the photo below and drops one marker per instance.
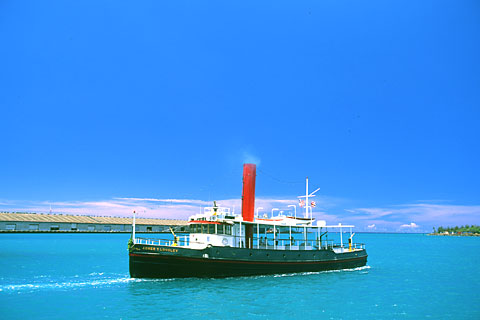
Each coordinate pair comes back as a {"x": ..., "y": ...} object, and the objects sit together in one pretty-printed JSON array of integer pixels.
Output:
[{"x": 183, "y": 242}]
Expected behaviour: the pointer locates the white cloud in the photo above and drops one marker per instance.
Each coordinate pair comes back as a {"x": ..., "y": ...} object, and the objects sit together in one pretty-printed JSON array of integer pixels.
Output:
[
  {"x": 426, "y": 215},
  {"x": 412, "y": 225},
  {"x": 145, "y": 207},
  {"x": 391, "y": 218},
  {"x": 190, "y": 201}
]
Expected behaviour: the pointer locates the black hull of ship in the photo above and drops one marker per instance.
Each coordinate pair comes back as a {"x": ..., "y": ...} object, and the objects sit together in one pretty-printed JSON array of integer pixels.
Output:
[{"x": 171, "y": 262}]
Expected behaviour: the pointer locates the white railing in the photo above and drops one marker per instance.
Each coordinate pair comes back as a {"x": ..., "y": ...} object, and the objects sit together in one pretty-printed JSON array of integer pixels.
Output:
[
  {"x": 181, "y": 241},
  {"x": 268, "y": 244}
]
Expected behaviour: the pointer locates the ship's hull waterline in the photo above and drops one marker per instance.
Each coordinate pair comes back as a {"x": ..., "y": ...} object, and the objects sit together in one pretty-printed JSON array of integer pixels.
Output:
[{"x": 175, "y": 262}]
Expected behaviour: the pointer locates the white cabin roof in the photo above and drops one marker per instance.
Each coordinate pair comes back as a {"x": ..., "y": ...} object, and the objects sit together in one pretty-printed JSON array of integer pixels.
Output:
[{"x": 225, "y": 215}]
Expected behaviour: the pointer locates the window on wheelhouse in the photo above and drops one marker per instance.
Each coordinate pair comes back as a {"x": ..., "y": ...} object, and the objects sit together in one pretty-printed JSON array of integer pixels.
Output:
[
  {"x": 224, "y": 229},
  {"x": 211, "y": 229}
]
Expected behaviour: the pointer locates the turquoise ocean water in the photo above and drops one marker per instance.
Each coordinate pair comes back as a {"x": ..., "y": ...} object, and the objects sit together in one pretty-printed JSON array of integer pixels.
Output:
[{"x": 77, "y": 276}]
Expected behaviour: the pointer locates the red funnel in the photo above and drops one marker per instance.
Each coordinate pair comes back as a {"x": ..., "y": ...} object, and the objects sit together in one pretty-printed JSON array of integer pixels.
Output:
[{"x": 248, "y": 195}]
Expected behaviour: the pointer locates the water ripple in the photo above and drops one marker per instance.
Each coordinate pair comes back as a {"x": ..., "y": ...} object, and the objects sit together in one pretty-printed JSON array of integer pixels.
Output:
[{"x": 67, "y": 285}]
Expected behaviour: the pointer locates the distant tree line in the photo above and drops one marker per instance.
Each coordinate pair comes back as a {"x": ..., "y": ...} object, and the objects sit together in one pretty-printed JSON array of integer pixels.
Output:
[{"x": 461, "y": 229}]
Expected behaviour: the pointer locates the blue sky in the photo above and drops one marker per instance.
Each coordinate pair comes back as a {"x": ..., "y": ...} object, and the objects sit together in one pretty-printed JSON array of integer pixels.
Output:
[{"x": 112, "y": 105}]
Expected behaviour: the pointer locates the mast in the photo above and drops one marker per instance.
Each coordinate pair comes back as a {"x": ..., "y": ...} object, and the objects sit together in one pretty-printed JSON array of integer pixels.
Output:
[
  {"x": 306, "y": 200},
  {"x": 306, "y": 196},
  {"x": 133, "y": 226}
]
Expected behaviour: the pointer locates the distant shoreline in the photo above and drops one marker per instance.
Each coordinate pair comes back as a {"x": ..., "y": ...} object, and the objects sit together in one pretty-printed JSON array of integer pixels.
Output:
[
  {"x": 455, "y": 234},
  {"x": 83, "y": 231},
  {"x": 167, "y": 231}
]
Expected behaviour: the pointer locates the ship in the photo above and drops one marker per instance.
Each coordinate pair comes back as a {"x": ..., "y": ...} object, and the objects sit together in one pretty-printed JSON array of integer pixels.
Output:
[{"x": 221, "y": 243}]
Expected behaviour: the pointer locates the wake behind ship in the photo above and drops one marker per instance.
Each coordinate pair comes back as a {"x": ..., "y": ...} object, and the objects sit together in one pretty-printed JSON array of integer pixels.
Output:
[{"x": 221, "y": 243}]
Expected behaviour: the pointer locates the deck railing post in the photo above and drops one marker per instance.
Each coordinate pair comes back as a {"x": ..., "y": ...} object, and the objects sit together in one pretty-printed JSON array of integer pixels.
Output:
[
  {"x": 258, "y": 234},
  {"x": 290, "y": 229},
  {"x": 274, "y": 237},
  {"x": 240, "y": 240}
]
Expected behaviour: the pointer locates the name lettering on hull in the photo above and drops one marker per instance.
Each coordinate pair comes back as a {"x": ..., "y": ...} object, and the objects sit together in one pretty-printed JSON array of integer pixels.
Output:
[{"x": 160, "y": 249}]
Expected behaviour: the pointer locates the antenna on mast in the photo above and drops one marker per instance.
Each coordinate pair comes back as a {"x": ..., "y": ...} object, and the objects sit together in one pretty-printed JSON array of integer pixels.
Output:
[{"x": 306, "y": 199}]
